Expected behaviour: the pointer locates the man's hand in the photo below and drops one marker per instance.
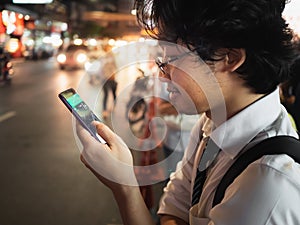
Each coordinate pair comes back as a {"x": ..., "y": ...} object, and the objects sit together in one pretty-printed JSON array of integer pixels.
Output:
[{"x": 111, "y": 163}]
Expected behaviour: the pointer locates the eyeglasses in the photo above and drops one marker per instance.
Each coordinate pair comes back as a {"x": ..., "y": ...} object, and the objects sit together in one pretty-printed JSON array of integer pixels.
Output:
[{"x": 162, "y": 64}]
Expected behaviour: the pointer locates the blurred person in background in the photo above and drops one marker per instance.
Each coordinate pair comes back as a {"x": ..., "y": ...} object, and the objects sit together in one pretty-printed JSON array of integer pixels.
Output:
[
  {"x": 247, "y": 46},
  {"x": 110, "y": 85},
  {"x": 5, "y": 66}
]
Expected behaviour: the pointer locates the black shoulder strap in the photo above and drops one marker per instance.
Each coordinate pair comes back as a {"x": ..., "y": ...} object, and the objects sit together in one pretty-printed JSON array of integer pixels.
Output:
[{"x": 271, "y": 146}]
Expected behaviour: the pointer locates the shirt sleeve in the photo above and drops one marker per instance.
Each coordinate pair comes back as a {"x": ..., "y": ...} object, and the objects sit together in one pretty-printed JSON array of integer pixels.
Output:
[{"x": 177, "y": 194}]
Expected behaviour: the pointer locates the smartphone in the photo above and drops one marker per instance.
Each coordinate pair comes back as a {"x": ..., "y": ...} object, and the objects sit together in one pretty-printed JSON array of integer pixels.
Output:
[{"x": 81, "y": 111}]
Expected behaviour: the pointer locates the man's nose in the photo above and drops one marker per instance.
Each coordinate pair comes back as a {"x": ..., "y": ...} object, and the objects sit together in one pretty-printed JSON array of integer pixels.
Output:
[{"x": 164, "y": 78}]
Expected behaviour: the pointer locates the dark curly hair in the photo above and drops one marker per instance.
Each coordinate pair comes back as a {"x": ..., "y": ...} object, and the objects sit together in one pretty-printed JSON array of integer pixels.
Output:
[{"x": 208, "y": 25}]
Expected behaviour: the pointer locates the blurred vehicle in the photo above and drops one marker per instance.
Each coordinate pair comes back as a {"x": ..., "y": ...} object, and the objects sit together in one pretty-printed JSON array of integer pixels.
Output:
[
  {"x": 74, "y": 56},
  {"x": 44, "y": 51}
]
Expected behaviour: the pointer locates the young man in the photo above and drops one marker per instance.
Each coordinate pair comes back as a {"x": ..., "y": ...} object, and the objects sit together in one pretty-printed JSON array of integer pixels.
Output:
[{"x": 247, "y": 46}]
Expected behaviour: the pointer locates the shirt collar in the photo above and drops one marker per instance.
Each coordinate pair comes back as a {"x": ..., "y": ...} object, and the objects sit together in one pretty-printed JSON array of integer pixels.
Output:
[{"x": 239, "y": 130}]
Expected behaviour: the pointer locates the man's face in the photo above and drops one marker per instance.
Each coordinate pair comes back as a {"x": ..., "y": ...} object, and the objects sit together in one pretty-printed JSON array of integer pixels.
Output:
[{"x": 191, "y": 85}]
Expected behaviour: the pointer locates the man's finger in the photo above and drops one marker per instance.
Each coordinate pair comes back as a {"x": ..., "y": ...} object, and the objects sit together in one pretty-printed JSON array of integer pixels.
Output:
[
  {"x": 84, "y": 136},
  {"x": 105, "y": 132}
]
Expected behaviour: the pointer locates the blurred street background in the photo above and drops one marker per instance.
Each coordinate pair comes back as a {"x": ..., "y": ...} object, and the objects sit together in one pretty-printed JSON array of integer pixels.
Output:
[
  {"x": 42, "y": 178},
  {"x": 42, "y": 181}
]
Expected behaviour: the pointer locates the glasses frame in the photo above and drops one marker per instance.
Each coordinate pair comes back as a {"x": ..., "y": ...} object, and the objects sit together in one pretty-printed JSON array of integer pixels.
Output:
[{"x": 161, "y": 65}]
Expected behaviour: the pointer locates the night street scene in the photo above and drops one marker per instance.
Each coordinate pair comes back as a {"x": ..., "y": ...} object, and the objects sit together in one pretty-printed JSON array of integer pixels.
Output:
[{"x": 97, "y": 48}]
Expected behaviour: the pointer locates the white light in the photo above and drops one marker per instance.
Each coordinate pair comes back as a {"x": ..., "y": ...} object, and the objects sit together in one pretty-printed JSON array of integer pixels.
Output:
[
  {"x": 13, "y": 45},
  {"x": 61, "y": 58},
  {"x": 47, "y": 40},
  {"x": 133, "y": 12},
  {"x": 5, "y": 17},
  {"x": 56, "y": 42},
  {"x": 32, "y": 1},
  {"x": 12, "y": 17},
  {"x": 64, "y": 27},
  {"x": 78, "y": 41},
  {"x": 30, "y": 42},
  {"x": 111, "y": 42},
  {"x": 93, "y": 42},
  {"x": 81, "y": 58}
]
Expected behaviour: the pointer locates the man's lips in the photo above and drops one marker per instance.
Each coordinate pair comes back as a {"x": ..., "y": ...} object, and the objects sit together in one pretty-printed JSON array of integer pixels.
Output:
[{"x": 173, "y": 93}]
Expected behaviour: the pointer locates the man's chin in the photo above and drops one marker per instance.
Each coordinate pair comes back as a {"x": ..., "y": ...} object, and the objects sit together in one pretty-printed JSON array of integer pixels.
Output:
[{"x": 185, "y": 109}]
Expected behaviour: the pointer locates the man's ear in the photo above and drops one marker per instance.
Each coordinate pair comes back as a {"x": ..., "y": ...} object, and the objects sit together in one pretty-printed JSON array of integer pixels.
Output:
[{"x": 235, "y": 57}]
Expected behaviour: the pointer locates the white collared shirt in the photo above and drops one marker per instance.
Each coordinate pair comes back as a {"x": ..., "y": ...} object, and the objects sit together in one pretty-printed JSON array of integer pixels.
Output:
[{"x": 267, "y": 192}]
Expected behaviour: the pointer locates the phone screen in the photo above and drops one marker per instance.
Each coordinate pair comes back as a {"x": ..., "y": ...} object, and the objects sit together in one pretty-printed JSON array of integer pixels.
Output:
[{"x": 81, "y": 111}]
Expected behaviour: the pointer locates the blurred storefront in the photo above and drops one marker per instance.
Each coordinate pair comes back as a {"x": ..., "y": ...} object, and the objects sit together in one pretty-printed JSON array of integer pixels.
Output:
[
  {"x": 25, "y": 33},
  {"x": 11, "y": 31},
  {"x": 42, "y": 38}
]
